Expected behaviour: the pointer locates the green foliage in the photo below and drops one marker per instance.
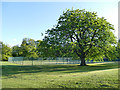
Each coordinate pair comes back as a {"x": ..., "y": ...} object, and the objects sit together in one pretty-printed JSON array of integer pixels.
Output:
[
  {"x": 31, "y": 49},
  {"x": 0, "y": 51},
  {"x": 87, "y": 35},
  {"x": 16, "y": 51},
  {"x": 43, "y": 49},
  {"x": 39, "y": 47},
  {"x": 6, "y": 51},
  {"x": 118, "y": 49},
  {"x": 28, "y": 48}
]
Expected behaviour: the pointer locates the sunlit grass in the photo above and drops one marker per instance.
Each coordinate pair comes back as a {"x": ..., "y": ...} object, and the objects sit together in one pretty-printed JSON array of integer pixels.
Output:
[{"x": 100, "y": 75}]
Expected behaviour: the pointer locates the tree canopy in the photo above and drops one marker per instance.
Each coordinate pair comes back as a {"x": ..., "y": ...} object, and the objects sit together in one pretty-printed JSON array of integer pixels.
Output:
[{"x": 87, "y": 35}]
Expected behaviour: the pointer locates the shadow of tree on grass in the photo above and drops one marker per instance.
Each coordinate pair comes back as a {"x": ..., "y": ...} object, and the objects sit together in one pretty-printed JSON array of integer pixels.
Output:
[{"x": 19, "y": 69}]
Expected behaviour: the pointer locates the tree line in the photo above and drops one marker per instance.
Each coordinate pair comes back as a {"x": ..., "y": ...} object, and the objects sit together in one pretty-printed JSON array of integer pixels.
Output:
[{"x": 34, "y": 49}]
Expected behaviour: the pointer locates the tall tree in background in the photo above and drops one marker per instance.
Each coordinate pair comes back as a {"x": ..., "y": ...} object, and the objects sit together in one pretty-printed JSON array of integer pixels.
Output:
[
  {"x": 88, "y": 35},
  {"x": 28, "y": 48},
  {"x": 16, "y": 51}
]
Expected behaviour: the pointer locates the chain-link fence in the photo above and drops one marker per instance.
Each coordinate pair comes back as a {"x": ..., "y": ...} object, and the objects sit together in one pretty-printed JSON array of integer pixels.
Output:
[
  {"x": 41, "y": 61},
  {"x": 45, "y": 60}
]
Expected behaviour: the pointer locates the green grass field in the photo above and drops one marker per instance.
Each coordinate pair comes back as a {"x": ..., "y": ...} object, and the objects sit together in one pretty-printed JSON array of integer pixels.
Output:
[{"x": 100, "y": 75}]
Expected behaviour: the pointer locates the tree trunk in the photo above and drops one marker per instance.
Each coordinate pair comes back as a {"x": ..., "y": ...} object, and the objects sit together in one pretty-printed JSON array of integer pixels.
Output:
[{"x": 83, "y": 62}]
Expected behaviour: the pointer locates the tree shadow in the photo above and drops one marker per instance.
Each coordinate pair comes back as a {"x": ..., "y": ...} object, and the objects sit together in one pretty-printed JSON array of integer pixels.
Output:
[{"x": 8, "y": 70}]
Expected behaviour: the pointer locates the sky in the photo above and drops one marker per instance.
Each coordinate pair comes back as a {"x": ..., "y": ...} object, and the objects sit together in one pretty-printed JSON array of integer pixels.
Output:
[{"x": 30, "y": 19}]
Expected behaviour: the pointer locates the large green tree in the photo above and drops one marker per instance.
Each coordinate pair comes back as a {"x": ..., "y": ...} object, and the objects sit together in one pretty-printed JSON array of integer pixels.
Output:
[{"x": 88, "y": 35}]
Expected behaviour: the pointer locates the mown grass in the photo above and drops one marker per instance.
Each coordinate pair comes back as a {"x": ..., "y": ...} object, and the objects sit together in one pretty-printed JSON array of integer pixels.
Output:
[{"x": 100, "y": 75}]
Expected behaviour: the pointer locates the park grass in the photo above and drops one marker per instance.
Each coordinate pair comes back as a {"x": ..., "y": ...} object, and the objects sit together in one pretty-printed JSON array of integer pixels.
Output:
[{"x": 100, "y": 75}]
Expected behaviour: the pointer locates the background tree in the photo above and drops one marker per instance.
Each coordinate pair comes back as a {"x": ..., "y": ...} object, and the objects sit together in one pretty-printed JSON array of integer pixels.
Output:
[
  {"x": 52, "y": 50},
  {"x": 88, "y": 35},
  {"x": 46, "y": 50},
  {"x": 39, "y": 46},
  {"x": 0, "y": 51},
  {"x": 6, "y": 51},
  {"x": 28, "y": 48},
  {"x": 118, "y": 49},
  {"x": 16, "y": 51}
]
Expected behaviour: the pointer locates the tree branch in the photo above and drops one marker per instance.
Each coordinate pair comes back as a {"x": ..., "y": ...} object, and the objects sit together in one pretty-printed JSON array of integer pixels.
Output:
[{"x": 86, "y": 52}]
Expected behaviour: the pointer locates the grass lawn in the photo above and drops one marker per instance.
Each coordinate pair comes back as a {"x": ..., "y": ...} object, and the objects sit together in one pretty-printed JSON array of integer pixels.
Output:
[{"x": 99, "y": 75}]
